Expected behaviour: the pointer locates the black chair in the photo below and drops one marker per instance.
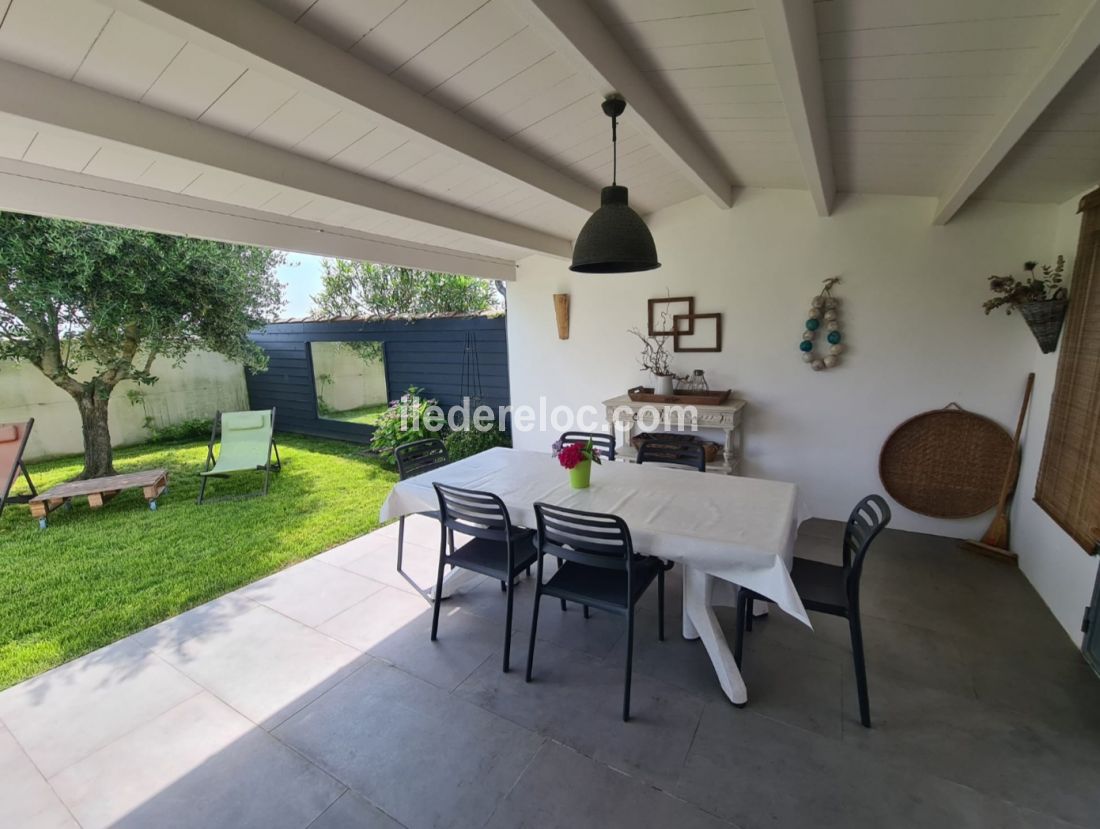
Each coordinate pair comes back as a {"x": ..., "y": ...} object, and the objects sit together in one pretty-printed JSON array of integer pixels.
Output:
[
  {"x": 680, "y": 453},
  {"x": 413, "y": 459},
  {"x": 497, "y": 549},
  {"x": 600, "y": 440},
  {"x": 832, "y": 589},
  {"x": 600, "y": 569}
]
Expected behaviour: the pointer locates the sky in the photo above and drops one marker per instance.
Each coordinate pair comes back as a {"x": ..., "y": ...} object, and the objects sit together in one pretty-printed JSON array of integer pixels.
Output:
[{"x": 301, "y": 275}]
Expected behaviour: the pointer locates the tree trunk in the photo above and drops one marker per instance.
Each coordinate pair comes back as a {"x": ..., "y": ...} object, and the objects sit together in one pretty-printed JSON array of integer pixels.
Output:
[{"x": 98, "y": 456}]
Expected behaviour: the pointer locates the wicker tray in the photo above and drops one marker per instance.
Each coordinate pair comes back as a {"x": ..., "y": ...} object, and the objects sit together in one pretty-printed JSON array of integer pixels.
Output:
[
  {"x": 672, "y": 439},
  {"x": 946, "y": 463},
  {"x": 643, "y": 394}
]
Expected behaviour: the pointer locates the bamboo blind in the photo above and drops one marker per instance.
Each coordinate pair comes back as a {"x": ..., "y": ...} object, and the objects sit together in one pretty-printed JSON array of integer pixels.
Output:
[{"x": 1068, "y": 487}]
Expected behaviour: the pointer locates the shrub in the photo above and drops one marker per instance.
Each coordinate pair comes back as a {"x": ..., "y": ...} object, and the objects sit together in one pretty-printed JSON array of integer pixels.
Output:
[
  {"x": 189, "y": 429},
  {"x": 466, "y": 442},
  {"x": 403, "y": 422}
]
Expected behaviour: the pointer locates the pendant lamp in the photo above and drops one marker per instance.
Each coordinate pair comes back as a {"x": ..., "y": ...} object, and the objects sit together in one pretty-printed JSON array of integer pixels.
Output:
[{"x": 614, "y": 239}]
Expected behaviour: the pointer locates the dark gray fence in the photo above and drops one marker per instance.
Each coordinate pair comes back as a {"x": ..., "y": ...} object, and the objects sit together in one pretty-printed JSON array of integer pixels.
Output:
[{"x": 428, "y": 353}]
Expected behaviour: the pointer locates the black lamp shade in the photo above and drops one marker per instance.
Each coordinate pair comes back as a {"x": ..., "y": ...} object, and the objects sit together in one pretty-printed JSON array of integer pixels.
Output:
[{"x": 614, "y": 239}]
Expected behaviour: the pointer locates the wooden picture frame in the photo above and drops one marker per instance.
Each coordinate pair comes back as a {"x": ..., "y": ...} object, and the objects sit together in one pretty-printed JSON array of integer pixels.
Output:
[
  {"x": 669, "y": 300},
  {"x": 677, "y": 345}
]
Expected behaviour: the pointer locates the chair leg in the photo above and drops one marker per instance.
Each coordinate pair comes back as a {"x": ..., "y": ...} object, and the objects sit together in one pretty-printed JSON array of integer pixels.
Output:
[
  {"x": 586, "y": 614},
  {"x": 748, "y": 614},
  {"x": 534, "y": 628},
  {"x": 629, "y": 662},
  {"x": 742, "y": 607},
  {"x": 438, "y": 598},
  {"x": 508, "y": 625},
  {"x": 400, "y": 541},
  {"x": 202, "y": 488},
  {"x": 503, "y": 587},
  {"x": 661, "y": 605},
  {"x": 560, "y": 563},
  {"x": 861, "y": 668}
]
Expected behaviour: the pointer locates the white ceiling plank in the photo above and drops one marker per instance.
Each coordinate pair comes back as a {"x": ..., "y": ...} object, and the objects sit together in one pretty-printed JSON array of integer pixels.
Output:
[
  {"x": 791, "y": 34},
  {"x": 262, "y": 39},
  {"x": 44, "y": 191},
  {"x": 51, "y": 35},
  {"x": 251, "y": 100},
  {"x": 295, "y": 120},
  {"x": 579, "y": 34},
  {"x": 193, "y": 81},
  {"x": 15, "y": 139},
  {"x": 344, "y": 23},
  {"x": 128, "y": 57},
  {"x": 119, "y": 163},
  {"x": 64, "y": 151},
  {"x": 850, "y": 15},
  {"x": 42, "y": 98},
  {"x": 1076, "y": 41}
]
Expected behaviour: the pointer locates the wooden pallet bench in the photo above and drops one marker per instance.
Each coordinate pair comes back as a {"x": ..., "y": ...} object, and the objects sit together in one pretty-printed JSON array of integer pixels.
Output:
[{"x": 153, "y": 483}]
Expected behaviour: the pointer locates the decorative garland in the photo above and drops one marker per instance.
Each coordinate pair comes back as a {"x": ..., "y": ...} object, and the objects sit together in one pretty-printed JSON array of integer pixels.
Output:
[{"x": 825, "y": 309}]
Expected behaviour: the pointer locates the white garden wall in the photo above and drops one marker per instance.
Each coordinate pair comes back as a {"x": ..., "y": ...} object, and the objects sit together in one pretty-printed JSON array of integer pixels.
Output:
[
  {"x": 916, "y": 334},
  {"x": 353, "y": 381},
  {"x": 203, "y": 384}
]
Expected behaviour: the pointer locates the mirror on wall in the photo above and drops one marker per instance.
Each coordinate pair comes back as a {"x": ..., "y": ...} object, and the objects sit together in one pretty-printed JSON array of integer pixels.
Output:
[{"x": 350, "y": 381}]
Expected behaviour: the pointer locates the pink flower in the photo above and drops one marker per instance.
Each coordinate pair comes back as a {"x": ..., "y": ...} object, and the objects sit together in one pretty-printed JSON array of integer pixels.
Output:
[{"x": 571, "y": 455}]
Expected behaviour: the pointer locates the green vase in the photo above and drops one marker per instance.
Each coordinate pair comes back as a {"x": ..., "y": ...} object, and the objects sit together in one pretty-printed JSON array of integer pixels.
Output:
[{"x": 581, "y": 475}]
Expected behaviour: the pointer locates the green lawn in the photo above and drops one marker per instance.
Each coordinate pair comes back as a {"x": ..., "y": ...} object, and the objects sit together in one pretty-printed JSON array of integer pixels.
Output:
[
  {"x": 367, "y": 415},
  {"x": 95, "y": 576}
]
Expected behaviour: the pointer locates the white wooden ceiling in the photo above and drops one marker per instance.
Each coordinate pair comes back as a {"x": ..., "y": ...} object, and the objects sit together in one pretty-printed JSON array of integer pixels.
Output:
[{"x": 912, "y": 94}]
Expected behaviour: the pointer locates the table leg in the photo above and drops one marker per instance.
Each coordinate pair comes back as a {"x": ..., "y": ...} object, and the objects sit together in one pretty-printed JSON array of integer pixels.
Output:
[
  {"x": 455, "y": 581},
  {"x": 700, "y": 620}
]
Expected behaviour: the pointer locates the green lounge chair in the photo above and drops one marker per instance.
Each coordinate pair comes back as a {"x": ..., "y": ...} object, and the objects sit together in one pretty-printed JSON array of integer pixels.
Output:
[
  {"x": 247, "y": 441},
  {"x": 13, "y": 442}
]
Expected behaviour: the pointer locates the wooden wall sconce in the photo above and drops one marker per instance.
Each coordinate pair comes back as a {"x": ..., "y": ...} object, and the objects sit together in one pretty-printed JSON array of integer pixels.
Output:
[{"x": 561, "y": 312}]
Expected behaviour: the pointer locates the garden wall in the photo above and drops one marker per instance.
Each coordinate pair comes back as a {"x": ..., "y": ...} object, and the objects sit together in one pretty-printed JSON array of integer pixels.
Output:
[
  {"x": 427, "y": 353},
  {"x": 204, "y": 383}
]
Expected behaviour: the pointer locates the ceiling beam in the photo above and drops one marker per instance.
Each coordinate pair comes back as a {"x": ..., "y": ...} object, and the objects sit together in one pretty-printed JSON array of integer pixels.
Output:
[
  {"x": 257, "y": 37},
  {"x": 55, "y": 102},
  {"x": 790, "y": 32},
  {"x": 585, "y": 41},
  {"x": 48, "y": 191},
  {"x": 1076, "y": 38}
]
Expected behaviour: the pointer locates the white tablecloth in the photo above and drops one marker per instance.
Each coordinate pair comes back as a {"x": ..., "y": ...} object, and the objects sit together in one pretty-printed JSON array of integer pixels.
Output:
[{"x": 741, "y": 530}]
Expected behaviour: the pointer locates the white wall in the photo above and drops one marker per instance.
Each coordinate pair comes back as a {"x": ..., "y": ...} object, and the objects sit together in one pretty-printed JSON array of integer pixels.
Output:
[
  {"x": 355, "y": 382},
  {"x": 203, "y": 384},
  {"x": 912, "y": 317},
  {"x": 1060, "y": 570}
]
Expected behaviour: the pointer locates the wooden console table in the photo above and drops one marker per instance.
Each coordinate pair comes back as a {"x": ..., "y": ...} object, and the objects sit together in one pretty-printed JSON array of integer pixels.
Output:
[{"x": 623, "y": 414}]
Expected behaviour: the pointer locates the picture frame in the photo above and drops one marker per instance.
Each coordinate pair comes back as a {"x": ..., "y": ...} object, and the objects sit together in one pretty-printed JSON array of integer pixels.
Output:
[
  {"x": 678, "y": 335},
  {"x": 671, "y": 300}
]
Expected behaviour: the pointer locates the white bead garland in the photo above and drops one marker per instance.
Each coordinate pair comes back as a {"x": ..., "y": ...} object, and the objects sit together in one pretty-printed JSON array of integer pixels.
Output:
[{"x": 824, "y": 314}]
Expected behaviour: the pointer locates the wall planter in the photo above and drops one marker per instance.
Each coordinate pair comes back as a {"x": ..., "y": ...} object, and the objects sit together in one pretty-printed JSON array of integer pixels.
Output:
[{"x": 1045, "y": 320}]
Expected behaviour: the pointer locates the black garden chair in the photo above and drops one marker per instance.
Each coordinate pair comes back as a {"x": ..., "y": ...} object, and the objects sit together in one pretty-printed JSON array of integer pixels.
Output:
[
  {"x": 497, "y": 549},
  {"x": 679, "y": 453},
  {"x": 413, "y": 459},
  {"x": 600, "y": 440},
  {"x": 600, "y": 570},
  {"x": 831, "y": 588}
]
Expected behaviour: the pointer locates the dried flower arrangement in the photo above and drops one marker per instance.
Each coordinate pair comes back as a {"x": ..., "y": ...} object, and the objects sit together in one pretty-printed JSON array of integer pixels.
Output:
[{"x": 1041, "y": 287}]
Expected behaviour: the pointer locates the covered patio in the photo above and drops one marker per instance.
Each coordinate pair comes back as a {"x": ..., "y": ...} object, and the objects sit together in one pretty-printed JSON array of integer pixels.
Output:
[
  {"x": 822, "y": 193},
  {"x": 315, "y": 698}
]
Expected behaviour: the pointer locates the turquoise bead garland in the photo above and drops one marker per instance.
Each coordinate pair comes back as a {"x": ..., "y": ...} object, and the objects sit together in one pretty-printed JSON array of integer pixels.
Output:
[{"x": 825, "y": 307}]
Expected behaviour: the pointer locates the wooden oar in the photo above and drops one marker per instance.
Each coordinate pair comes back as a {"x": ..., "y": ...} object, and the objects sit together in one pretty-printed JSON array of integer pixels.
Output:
[{"x": 995, "y": 540}]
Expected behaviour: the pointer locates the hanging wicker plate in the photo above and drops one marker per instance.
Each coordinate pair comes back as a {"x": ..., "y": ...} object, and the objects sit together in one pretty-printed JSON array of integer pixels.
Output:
[{"x": 947, "y": 463}]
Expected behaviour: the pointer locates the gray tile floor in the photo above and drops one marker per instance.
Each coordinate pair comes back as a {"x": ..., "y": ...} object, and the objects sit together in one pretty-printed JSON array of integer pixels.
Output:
[{"x": 315, "y": 699}]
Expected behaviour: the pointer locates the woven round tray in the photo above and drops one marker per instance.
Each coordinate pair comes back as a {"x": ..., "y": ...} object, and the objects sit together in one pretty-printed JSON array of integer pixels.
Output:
[{"x": 947, "y": 463}]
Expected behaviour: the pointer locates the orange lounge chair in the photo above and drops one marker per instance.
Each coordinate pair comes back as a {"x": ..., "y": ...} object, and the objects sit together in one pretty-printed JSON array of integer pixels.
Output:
[{"x": 13, "y": 442}]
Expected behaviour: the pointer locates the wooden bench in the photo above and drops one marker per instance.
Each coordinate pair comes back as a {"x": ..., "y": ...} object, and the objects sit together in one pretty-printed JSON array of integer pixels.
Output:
[{"x": 99, "y": 491}]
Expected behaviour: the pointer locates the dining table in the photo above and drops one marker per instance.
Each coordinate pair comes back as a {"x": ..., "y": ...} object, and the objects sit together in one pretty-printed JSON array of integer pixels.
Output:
[{"x": 723, "y": 531}]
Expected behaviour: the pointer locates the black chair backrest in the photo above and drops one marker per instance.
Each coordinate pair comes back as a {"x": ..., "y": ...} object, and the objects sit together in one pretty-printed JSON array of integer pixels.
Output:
[
  {"x": 591, "y": 538},
  {"x": 868, "y": 519},
  {"x": 600, "y": 440},
  {"x": 480, "y": 514},
  {"x": 674, "y": 452},
  {"x": 420, "y": 456}
]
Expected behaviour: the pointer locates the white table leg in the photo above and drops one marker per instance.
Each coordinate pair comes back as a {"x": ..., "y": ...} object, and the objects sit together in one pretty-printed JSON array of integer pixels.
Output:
[
  {"x": 700, "y": 620},
  {"x": 455, "y": 581}
]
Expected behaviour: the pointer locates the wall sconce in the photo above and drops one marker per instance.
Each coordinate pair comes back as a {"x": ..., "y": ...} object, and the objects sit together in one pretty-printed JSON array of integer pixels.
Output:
[{"x": 561, "y": 312}]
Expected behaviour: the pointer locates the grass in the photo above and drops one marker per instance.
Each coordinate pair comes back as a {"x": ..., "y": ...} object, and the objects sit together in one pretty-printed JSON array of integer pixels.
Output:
[
  {"x": 96, "y": 576},
  {"x": 367, "y": 415}
]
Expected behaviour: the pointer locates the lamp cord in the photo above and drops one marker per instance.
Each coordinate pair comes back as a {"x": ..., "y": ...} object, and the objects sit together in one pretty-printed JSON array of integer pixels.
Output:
[{"x": 614, "y": 150}]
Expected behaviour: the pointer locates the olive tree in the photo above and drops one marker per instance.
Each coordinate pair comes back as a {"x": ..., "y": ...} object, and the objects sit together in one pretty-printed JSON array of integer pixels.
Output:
[{"x": 92, "y": 306}]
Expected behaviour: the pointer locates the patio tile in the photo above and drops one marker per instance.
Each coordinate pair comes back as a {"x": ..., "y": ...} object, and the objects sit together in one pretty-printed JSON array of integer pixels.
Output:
[
  {"x": 345, "y": 553},
  {"x": 199, "y": 765},
  {"x": 311, "y": 592},
  {"x": 204, "y": 621},
  {"x": 26, "y": 800},
  {"x": 677, "y": 661},
  {"x": 376, "y": 618},
  {"x": 421, "y": 755},
  {"x": 353, "y": 812},
  {"x": 379, "y": 562},
  {"x": 994, "y": 751},
  {"x": 760, "y": 773},
  {"x": 562, "y": 788},
  {"x": 65, "y": 714},
  {"x": 577, "y": 700},
  {"x": 263, "y": 664}
]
